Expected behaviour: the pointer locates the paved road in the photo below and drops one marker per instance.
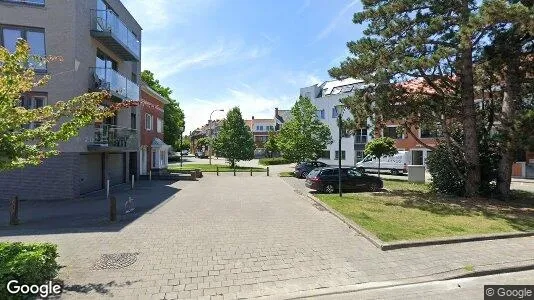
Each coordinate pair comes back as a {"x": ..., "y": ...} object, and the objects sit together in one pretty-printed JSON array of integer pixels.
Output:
[
  {"x": 465, "y": 288},
  {"x": 242, "y": 237}
]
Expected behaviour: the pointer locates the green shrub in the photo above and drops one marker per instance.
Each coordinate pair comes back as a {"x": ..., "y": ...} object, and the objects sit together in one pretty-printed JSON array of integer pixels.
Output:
[
  {"x": 274, "y": 161},
  {"x": 445, "y": 179},
  {"x": 28, "y": 263}
]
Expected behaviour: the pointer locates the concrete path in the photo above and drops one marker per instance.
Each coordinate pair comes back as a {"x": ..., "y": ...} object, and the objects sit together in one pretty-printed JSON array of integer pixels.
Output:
[{"x": 240, "y": 237}]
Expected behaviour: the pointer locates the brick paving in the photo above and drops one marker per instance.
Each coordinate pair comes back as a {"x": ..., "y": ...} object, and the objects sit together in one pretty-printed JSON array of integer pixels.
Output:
[{"x": 241, "y": 237}]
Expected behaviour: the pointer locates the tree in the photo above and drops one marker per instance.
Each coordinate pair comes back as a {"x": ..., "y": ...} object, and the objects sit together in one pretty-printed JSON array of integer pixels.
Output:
[
  {"x": 186, "y": 144},
  {"x": 21, "y": 144},
  {"x": 271, "y": 145},
  {"x": 379, "y": 148},
  {"x": 304, "y": 137},
  {"x": 235, "y": 140},
  {"x": 433, "y": 46},
  {"x": 173, "y": 115}
]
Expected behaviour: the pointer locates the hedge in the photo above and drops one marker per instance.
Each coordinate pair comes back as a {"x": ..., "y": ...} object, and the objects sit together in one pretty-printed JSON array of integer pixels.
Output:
[
  {"x": 274, "y": 161},
  {"x": 28, "y": 263}
]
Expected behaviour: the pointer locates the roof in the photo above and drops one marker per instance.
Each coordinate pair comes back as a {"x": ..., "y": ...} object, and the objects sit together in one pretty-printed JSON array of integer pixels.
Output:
[
  {"x": 149, "y": 90},
  {"x": 283, "y": 115},
  {"x": 157, "y": 143},
  {"x": 334, "y": 87}
]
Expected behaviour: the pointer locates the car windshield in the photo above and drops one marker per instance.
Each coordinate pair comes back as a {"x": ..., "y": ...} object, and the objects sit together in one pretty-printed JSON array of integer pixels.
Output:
[{"x": 313, "y": 173}]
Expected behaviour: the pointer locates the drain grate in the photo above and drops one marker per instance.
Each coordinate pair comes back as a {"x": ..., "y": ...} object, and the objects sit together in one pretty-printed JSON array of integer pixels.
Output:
[{"x": 115, "y": 261}]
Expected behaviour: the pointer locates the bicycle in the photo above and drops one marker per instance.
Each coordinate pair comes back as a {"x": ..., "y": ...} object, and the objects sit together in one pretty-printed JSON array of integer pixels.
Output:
[{"x": 129, "y": 206}]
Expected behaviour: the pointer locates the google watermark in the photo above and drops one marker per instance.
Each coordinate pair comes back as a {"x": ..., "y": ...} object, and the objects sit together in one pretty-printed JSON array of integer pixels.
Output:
[
  {"x": 43, "y": 290},
  {"x": 509, "y": 292}
]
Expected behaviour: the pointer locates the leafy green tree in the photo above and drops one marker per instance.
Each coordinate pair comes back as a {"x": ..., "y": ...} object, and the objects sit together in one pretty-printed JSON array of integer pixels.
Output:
[
  {"x": 186, "y": 144},
  {"x": 235, "y": 141},
  {"x": 304, "y": 137},
  {"x": 379, "y": 148},
  {"x": 22, "y": 145},
  {"x": 271, "y": 144},
  {"x": 173, "y": 116},
  {"x": 431, "y": 45},
  {"x": 202, "y": 142}
]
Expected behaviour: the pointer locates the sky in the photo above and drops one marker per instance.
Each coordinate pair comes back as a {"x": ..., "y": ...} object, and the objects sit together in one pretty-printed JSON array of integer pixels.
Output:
[{"x": 255, "y": 54}]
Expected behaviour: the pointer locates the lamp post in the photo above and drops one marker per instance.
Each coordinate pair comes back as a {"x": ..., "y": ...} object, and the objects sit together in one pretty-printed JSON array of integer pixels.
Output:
[
  {"x": 209, "y": 124},
  {"x": 181, "y": 146},
  {"x": 339, "y": 109}
]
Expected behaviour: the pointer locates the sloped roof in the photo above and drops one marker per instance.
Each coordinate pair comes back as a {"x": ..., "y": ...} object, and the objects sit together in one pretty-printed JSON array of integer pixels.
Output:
[{"x": 334, "y": 87}]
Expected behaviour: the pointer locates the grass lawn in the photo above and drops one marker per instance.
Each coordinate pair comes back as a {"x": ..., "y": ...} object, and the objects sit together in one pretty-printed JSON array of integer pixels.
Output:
[
  {"x": 286, "y": 174},
  {"x": 213, "y": 168},
  {"x": 410, "y": 211}
]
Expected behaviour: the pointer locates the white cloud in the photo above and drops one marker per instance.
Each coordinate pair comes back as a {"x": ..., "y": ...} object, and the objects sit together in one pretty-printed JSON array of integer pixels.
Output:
[
  {"x": 157, "y": 14},
  {"x": 178, "y": 57},
  {"x": 333, "y": 23},
  {"x": 197, "y": 111}
]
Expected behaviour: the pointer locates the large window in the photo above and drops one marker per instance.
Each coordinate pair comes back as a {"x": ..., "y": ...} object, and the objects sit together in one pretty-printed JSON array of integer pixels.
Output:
[
  {"x": 320, "y": 114},
  {"x": 159, "y": 125},
  {"x": 392, "y": 132},
  {"x": 34, "y": 37},
  {"x": 360, "y": 136},
  {"x": 325, "y": 154},
  {"x": 342, "y": 155},
  {"x": 33, "y": 101},
  {"x": 148, "y": 122}
]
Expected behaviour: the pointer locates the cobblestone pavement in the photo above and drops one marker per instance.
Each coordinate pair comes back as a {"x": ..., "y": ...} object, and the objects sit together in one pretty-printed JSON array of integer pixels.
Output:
[{"x": 240, "y": 237}]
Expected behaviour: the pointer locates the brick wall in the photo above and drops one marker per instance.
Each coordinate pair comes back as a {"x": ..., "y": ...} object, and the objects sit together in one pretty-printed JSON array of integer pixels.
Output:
[
  {"x": 56, "y": 178},
  {"x": 148, "y": 136}
]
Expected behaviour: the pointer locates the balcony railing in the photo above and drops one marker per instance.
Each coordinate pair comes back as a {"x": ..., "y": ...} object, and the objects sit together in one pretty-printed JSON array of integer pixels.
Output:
[
  {"x": 111, "y": 136},
  {"x": 107, "y": 23},
  {"x": 114, "y": 82}
]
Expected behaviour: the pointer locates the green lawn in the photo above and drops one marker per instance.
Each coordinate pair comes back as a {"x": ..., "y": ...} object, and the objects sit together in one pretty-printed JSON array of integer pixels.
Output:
[
  {"x": 410, "y": 211},
  {"x": 286, "y": 174},
  {"x": 213, "y": 168}
]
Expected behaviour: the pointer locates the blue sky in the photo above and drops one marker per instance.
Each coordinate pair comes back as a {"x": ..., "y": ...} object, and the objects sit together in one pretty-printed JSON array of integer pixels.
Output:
[{"x": 254, "y": 54}]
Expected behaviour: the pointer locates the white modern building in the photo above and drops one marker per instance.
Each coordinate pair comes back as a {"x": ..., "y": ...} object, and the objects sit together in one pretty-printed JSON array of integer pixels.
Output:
[{"x": 325, "y": 96}]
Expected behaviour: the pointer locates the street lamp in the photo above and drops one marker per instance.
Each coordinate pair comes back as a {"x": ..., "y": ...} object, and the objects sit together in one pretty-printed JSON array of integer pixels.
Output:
[
  {"x": 209, "y": 145},
  {"x": 339, "y": 110},
  {"x": 182, "y": 128}
]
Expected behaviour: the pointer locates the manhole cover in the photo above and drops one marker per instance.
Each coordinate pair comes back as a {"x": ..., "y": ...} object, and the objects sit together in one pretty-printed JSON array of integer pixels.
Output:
[{"x": 115, "y": 261}]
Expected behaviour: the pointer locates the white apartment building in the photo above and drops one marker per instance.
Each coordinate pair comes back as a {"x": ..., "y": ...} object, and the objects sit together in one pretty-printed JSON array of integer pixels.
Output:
[{"x": 325, "y": 96}]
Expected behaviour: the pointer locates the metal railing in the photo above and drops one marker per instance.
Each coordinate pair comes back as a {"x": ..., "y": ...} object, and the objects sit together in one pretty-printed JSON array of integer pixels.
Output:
[
  {"x": 107, "y": 21},
  {"x": 113, "y": 81},
  {"x": 114, "y": 136}
]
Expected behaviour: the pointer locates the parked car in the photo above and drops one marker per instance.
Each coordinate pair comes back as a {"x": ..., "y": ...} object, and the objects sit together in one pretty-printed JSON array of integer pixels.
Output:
[
  {"x": 396, "y": 164},
  {"x": 326, "y": 180},
  {"x": 304, "y": 168},
  {"x": 185, "y": 152},
  {"x": 201, "y": 154}
]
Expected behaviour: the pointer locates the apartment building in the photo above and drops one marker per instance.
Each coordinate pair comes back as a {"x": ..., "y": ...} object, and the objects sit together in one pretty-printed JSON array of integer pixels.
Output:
[
  {"x": 154, "y": 153},
  {"x": 325, "y": 96},
  {"x": 260, "y": 129},
  {"x": 100, "y": 45}
]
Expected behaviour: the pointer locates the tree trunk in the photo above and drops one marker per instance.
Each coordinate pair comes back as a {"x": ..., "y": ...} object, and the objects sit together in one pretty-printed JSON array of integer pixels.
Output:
[
  {"x": 379, "y": 167},
  {"x": 472, "y": 182},
  {"x": 512, "y": 97}
]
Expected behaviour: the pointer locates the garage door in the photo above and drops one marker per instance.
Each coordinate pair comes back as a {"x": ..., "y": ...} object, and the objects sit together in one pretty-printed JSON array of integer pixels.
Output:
[
  {"x": 90, "y": 173},
  {"x": 115, "y": 168}
]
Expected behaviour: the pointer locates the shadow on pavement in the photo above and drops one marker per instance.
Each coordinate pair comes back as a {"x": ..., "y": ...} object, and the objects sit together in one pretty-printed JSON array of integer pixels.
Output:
[
  {"x": 89, "y": 213},
  {"x": 99, "y": 288}
]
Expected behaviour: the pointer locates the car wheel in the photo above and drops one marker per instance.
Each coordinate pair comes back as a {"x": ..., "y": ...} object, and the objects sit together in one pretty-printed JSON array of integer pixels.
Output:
[
  {"x": 329, "y": 189},
  {"x": 304, "y": 174},
  {"x": 361, "y": 170},
  {"x": 374, "y": 187},
  {"x": 395, "y": 172}
]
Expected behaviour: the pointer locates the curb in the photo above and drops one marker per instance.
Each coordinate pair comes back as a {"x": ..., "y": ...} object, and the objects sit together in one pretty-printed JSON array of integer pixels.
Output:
[{"x": 384, "y": 246}]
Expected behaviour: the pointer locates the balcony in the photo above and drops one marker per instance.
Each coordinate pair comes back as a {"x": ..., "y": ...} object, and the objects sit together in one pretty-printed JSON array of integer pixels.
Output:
[
  {"x": 112, "y": 81},
  {"x": 107, "y": 28},
  {"x": 110, "y": 137}
]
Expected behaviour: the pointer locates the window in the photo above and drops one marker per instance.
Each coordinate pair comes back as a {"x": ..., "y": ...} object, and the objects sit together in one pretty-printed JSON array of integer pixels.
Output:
[
  {"x": 359, "y": 155},
  {"x": 32, "y": 102},
  {"x": 360, "y": 136},
  {"x": 325, "y": 154},
  {"x": 31, "y": 2},
  {"x": 353, "y": 173},
  {"x": 103, "y": 61},
  {"x": 334, "y": 112},
  {"x": 153, "y": 159},
  {"x": 320, "y": 114},
  {"x": 148, "y": 122},
  {"x": 259, "y": 127},
  {"x": 133, "y": 120},
  {"x": 34, "y": 37},
  {"x": 427, "y": 132},
  {"x": 392, "y": 132},
  {"x": 159, "y": 125},
  {"x": 342, "y": 155}
]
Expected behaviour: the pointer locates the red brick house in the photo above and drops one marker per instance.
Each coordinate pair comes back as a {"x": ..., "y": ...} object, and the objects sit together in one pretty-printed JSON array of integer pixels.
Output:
[{"x": 154, "y": 153}]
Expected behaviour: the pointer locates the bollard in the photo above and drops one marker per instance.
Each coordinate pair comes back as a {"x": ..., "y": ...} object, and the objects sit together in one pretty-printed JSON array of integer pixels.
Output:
[
  {"x": 194, "y": 175},
  {"x": 107, "y": 189},
  {"x": 234, "y": 171},
  {"x": 14, "y": 211},
  {"x": 217, "y": 170},
  {"x": 250, "y": 171},
  {"x": 267, "y": 171},
  {"x": 112, "y": 209},
  {"x": 133, "y": 181},
  {"x": 150, "y": 175}
]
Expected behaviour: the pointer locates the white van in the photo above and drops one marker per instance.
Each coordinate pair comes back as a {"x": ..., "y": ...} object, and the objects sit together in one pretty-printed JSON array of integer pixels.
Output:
[{"x": 396, "y": 164}]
